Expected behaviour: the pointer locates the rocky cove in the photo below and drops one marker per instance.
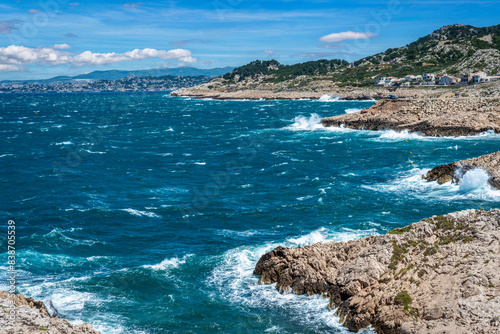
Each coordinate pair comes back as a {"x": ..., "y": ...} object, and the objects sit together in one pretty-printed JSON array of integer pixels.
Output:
[{"x": 439, "y": 275}]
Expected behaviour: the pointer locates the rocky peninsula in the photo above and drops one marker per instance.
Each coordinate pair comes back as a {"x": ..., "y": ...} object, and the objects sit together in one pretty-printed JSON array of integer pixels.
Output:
[
  {"x": 439, "y": 275},
  {"x": 455, "y": 170},
  {"x": 257, "y": 90},
  {"x": 433, "y": 117},
  {"x": 33, "y": 318}
]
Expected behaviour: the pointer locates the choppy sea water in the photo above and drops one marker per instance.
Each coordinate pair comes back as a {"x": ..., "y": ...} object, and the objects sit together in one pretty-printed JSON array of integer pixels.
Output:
[{"x": 145, "y": 213}]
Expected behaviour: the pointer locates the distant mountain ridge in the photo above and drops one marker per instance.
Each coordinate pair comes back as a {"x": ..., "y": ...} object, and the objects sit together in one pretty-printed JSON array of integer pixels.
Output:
[{"x": 120, "y": 74}]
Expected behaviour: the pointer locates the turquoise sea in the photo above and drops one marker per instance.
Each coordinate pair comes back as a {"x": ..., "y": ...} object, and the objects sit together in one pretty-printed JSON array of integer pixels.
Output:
[{"x": 145, "y": 213}]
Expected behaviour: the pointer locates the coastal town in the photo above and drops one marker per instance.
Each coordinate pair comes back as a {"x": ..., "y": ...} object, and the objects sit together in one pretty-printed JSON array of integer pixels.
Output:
[
  {"x": 443, "y": 79},
  {"x": 128, "y": 84}
]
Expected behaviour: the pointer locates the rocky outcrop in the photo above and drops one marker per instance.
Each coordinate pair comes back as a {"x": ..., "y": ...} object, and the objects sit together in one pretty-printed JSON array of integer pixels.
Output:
[
  {"x": 32, "y": 317},
  {"x": 317, "y": 87},
  {"x": 440, "y": 275},
  {"x": 455, "y": 170},
  {"x": 441, "y": 117}
]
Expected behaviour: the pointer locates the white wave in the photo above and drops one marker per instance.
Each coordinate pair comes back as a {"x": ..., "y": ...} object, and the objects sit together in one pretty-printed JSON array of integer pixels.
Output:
[
  {"x": 200, "y": 163},
  {"x": 328, "y": 98},
  {"x": 139, "y": 213},
  {"x": 352, "y": 110},
  {"x": 168, "y": 264},
  {"x": 473, "y": 179},
  {"x": 234, "y": 281},
  {"x": 410, "y": 183},
  {"x": 306, "y": 123},
  {"x": 391, "y": 135},
  {"x": 65, "y": 143},
  {"x": 246, "y": 233},
  {"x": 94, "y": 152}
]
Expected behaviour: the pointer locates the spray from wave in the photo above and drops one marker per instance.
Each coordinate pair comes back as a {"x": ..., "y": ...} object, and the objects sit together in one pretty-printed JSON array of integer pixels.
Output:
[
  {"x": 306, "y": 123},
  {"x": 328, "y": 98},
  {"x": 473, "y": 179}
]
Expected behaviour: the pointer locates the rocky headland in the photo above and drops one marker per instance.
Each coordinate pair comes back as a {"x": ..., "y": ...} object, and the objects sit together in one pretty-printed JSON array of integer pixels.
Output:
[
  {"x": 33, "y": 318},
  {"x": 257, "y": 90},
  {"x": 439, "y": 275},
  {"x": 433, "y": 117},
  {"x": 455, "y": 170}
]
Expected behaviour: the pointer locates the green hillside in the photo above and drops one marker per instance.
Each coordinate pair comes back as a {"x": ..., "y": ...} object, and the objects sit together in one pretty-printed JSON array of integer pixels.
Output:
[{"x": 452, "y": 49}]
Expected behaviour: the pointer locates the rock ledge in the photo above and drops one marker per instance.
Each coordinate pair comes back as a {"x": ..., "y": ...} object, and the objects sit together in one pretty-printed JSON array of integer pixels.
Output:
[
  {"x": 440, "y": 275},
  {"x": 33, "y": 318}
]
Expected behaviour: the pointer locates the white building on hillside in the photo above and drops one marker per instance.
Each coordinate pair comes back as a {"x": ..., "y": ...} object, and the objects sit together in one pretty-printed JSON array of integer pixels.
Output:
[{"x": 476, "y": 78}]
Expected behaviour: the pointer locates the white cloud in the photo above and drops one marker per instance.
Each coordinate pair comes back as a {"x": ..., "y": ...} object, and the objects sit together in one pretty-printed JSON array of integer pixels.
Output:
[
  {"x": 61, "y": 47},
  {"x": 270, "y": 53},
  {"x": 345, "y": 36},
  {"x": 20, "y": 55},
  {"x": 14, "y": 55},
  {"x": 10, "y": 68},
  {"x": 90, "y": 58},
  {"x": 34, "y": 11}
]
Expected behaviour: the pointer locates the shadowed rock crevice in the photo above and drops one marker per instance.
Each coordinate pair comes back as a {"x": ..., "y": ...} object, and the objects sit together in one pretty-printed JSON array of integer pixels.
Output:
[{"x": 441, "y": 274}]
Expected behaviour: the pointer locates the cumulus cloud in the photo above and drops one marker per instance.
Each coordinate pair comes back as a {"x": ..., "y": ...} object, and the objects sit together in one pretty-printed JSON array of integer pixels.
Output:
[
  {"x": 91, "y": 58},
  {"x": 20, "y": 55},
  {"x": 61, "y": 46},
  {"x": 10, "y": 68},
  {"x": 346, "y": 36},
  {"x": 14, "y": 55}
]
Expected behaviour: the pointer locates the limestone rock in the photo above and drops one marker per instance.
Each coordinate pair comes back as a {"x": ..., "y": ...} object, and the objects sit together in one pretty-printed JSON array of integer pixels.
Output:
[
  {"x": 33, "y": 318},
  {"x": 453, "y": 171},
  {"x": 440, "y": 275}
]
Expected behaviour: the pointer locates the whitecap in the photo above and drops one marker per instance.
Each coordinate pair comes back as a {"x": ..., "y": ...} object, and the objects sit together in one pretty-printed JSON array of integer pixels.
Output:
[
  {"x": 139, "y": 213},
  {"x": 352, "y": 110},
  {"x": 168, "y": 263}
]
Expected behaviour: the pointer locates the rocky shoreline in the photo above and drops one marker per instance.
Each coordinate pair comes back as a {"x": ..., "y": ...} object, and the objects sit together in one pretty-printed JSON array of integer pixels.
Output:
[
  {"x": 33, "y": 318},
  {"x": 430, "y": 117},
  {"x": 455, "y": 170},
  {"x": 214, "y": 89},
  {"x": 439, "y": 275}
]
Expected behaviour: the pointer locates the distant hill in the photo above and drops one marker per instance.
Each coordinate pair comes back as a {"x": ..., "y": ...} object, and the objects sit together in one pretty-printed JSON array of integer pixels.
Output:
[
  {"x": 452, "y": 49},
  {"x": 119, "y": 74},
  {"x": 279, "y": 72}
]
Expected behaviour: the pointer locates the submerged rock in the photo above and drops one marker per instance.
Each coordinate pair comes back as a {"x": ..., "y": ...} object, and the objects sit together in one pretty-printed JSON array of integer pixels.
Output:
[
  {"x": 33, "y": 318},
  {"x": 455, "y": 170},
  {"x": 440, "y": 275}
]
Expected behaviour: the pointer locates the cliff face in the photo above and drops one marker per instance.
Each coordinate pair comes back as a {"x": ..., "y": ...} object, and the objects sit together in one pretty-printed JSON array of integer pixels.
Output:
[
  {"x": 33, "y": 318},
  {"x": 452, "y": 171},
  {"x": 440, "y": 275},
  {"x": 429, "y": 117}
]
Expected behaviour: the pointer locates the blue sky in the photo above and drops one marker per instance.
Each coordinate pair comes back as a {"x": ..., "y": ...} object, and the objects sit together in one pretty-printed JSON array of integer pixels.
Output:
[{"x": 45, "y": 38}]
